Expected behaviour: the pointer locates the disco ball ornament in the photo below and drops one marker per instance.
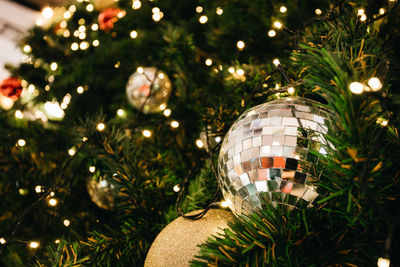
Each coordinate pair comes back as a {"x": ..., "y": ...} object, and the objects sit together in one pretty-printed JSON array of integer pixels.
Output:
[
  {"x": 103, "y": 191},
  {"x": 177, "y": 244},
  {"x": 148, "y": 90},
  {"x": 265, "y": 154}
]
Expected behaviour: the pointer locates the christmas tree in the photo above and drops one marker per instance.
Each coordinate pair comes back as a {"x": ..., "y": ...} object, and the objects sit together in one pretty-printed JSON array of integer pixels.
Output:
[{"x": 128, "y": 114}]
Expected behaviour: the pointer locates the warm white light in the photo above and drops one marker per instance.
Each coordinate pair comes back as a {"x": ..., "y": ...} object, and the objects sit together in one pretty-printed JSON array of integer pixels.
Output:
[
  {"x": 57, "y": 241},
  {"x": 167, "y": 112},
  {"x": 161, "y": 75},
  {"x": 381, "y": 11},
  {"x": 382, "y": 262},
  {"x": 176, "y": 188},
  {"x": 71, "y": 151},
  {"x": 140, "y": 70},
  {"x": 240, "y": 45},
  {"x": 27, "y": 48},
  {"x": 38, "y": 189},
  {"x": 224, "y": 204},
  {"x": 278, "y": 25},
  {"x": 76, "y": 33},
  {"x": 3, "y": 240},
  {"x": 199, "y": 9},
  {"x": 95, "y": 43},
  {"x": 74, "y": 46},
  {"x": 218, "y": 139},
  {"x": 21, "y": 142},
  {"x": 356, "y": 87},
  {"x": 34, "y": 244},
  {"x": 67, "y": 15},
  {"x": 155, "y": 10},
  {"x": 282, "y": 9},
  {"x": 19, "y": 114},
  {"x": 47, "y": 12},
  {"x": 163, "y": 106},
  {"x": 240, "y": 72},
  {"x": 84, "y": 45},
  {"x": 382, "y": 121},
  {"x": 363, "y": 17},
  {"x": 90, "y": 8},
  {"x": 133, "y": 34},
  {"x": 276, "y": 62},
  {"x": 53, "y": 202},
  {"x": 39, "y": 22},
  {"x": 203, "y": 19},
  {"x": 375, "y": 84},
  {"x": 53, "y": 66},
  {"x": 199, "y": 143},
  {"x": 290, "y": 90},
  {"x": 72, "y": 8},
  {"x": 82, "y": 36},
  {"x": 271, "y": 33},
  {"x": 156, "y": 17},
  {"x": 80, "y": 90},
  {"x": 92, "y": 169},
  {"x": 208, "y": 62},
  {"x": 31, "y": 89},
  {"x": 94, "y": 27},
  {"x": 66, "y": 34},
  {"x": 136, "y": 4},
  {"x": 52, "y": 194},
  {"x": 100, "y": 127},
  {"x": 174, "y": 124},
  {"x": 219, "y": 11},
  {"x": 67, "y": 222},
  {"x": 231, "y": 70},
  {"x": 318, "y": 11},
  {"x": 146, "y": 133},
  {"x": 81, "y": 21},
  {"x": 360, "y": 12},
  {"x": 82, "y": 28},
  {"x": 53, "y": 109},
  {"x": 120, "y": 112}
]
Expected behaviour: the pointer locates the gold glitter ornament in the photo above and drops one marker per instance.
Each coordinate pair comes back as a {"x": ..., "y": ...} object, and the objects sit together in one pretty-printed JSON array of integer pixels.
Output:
[{"x": 177, "y": 244}]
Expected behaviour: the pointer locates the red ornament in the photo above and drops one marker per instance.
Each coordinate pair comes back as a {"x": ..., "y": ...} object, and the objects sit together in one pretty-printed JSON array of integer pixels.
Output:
[
  {"x": 108, "y": 17},
  {"x": 11, "y": 87}
]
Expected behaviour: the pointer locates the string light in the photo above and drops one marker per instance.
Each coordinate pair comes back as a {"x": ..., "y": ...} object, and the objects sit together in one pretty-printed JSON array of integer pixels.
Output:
[
  {"x": 140, "y": 70},
  {"x": 356, "y": 87},
  {"x": 116, "y": 65},
  {"x": 100, "y": 127},
  {"x": 80, "y": 90},
  {"x": 383, "y": 122},
  {"x": 21, "y": 142},
  {"x": 52, "y": 194},
  {"x": 120, "y": 112},
  {"x": 71, "y": 151},
  {"x": 92, "y": 169},
  {"x": 53, "y": 202},
  {"x": 278, "y": 25},
  {"x": 199, "y": 9},
  {"x": 66, "y": 33},
  {"x": 67, "y": 222},
  {"x": 318, "y": 11},
  {"x": 38, "y": 189},
  {"x": 224, "y": 203},
  {"x": 174, "y": 124},
  {"x": 161, "y": 75},
  {"x": 136, "y": 4},
  {"x": 240, "y": 72},
  {"x": 375, "y": 84},
  {"x": 81, "y": 21},
  {"x": 271, "y": 33},
  {"x": 203, "y": 19},
  {"x": 381, "y": 11},
  {"x": 363, "y": 17},
  {"x": 3, "y": 240},
  {"x": 282, "y": 9},
  {"x": 84, "y": 45},
  {"x": 219, "y": 11},
  {"x": 94, "y": 27},
  {"x": 54, "y": 110},
  {"x": 23, "y": 191},
  {"x": 360, "y": 12},
  {"x": 276, "y": 62},
  {"x": 74, "y": 46},
  {"x": 57, "y": 241},
  {"x": 176, "y": 188},
  {"x": 90, "y": 8},
  {"x": 383, "y": 262},
  {"x": 231, "y": 70},
  {"x": 47, "y": 12},
  {"x": 167, "y": 112},
  {"x": 19, "y": 114},
  {"x": 146, "y": 133},
  {"x": 163, "y": 106},
  {"x": 53, "y": 66},
  {"x": 208, "y": 62},
  {"x": 199, "y": 143},
  {"x": 291, "y": 90},
  {"x": 218, "y": 139},
  {"x": 67, "y": 14},
  {"x": 72, "y": 8},
  {"x": 27, "y": 49},
  {"x": 34, "y": 244},
  {"x": 240, "y": 45},
  {"x": 133, "y": 34},
  {"x": 95, "y": 43}
]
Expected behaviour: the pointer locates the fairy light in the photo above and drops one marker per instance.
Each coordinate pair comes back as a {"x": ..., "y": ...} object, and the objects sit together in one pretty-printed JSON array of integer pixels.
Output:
[
  {"x": 383, "y": 262},
  {"x": 23, "y": 191},
  {"x": 203, "y": 19},
  {"x": 34, "y": 244},
  {"x": 47, "y": 12},
  {"x": 224, "y": 203},
  {"x": 278, "y": 25},
  {"x": 163, "y": 106},
  {"x": 117, "y": 64},
  {"x": 363, "y": 17},
  {"x": 174, "y": 124},
  {"x": 57, "y": 241},
  {"x": 156, "y": 17},
  {"x": 100, "y": 127},
  {"x": 318, "y": 11},
  {"x": 67, "y": 14},
  {"x": 219, "y": 11},
  {"x": 71, "y": 151},
  {"x": 84, "y": 45},
  {"x": 360, "y": 12},
  {"x": 167, "y": 112},
  {"x": 3, "y": 240},
  {"x": 38, "y": 189},
  {"x": 120, "y": 112},
  {"x": 39, "y": 22},
  {"x": 72, "y": 8},
  {"x": 67, "y": 222},
  {"x": 92, "y": 169},
  {"x": 383, "y": 122},
  {"x": 381, "y": 11},
  {"x": 74, "y": 46},
  {"x": 53, "y": 66},
  {"x": 19, "y": 114},
  {"x": 240, "y": 45},
  {"x": 208, "y": 61},
  {"x": 161, "y": 76},
  {"x": 375, "y": 84},
  {"x": 66, "y": 34},
  {"x": 199, "y": 143},
  {"x": 81, "y": 21},
  {"x": 90, "y": 7},
  {"x": 27, "y": 49},
  {"x": 80, "y": 90},
  {"x": 52, "y": 194},
  {"x": 291, "y": 90},
  {"x": 53, "y": 202},
  {"x": 95, "y": 43},
  {"x": 133, "y": 34},
  {"x": 146, "y": 133},
  {"x": 140, "y": 70},
  {"x": 21, "y": 142},
  {"x": 199, "y": 9},
  {"x": 76, "y": 33},
  {"x": 94, "y": 27},
  {"x": 155, "y": 10},
  {"x": 276, "y": 62},
  {"x": 231, "y": 70},
  {"x": 136, "y": 4},
  {"x": 82, "y": 28},
  {"x": 356, "y": 88},
  {"x": 282, "y": 9},
  {"x": 240, "y": 72},
  {"x": 176, "y": 188},
  {"x": 53, "y": 109}
]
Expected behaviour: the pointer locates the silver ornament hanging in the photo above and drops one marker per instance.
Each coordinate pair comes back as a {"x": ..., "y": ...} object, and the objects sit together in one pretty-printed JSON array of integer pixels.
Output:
[
  {"x": 103, "y": 191},
  {"x": 148, "y": 90},
  {"x": 264, "y": 153}
]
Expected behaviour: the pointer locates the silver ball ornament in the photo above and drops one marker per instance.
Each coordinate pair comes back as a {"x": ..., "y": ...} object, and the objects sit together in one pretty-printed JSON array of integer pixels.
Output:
[{"x": 103, "y": 191}]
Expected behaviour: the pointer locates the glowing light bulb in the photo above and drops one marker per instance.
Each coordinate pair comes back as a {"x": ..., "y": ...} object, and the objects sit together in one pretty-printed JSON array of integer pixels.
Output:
[
  {"x": 66, "y": 34},
  {"x": 74, "y": 46},
  {"x": 375, "y": 84},
  {"x": 140, "y": 70},
  {"x": 53, "y": 66},
  {"x": 92, "y": 169},
  {"x": 240, "y": 72},
  {"x": 47, "y": 12},
  {"x": 176, "y": 188},
  {"x": 84, "y": 45},
  {"x": 199, "y": 143},
  {"x": 291, "y": 90},
  {"x": 39, "y": 22},
  {"x": 155, "y": 10},
  {"x": 67, "y": 222},
  {"x": 67, "y": 14},
  {"x": 136, "y": 4},
  {"x": 199, "y": 9},
  {"x": 156, "y": 17},
  {"x": 208, "y": 62},
  {"x": 21, "y": 142},
  {"x": 219, "y": 11},
  {"x": 3, "y": 240},
  {"x": 146, "y": 133},
  {"x": 318, "y": 11},
  {"x": 167, "y": 112},
  {"x": 224, "y": 203},
  {"x": 95, "y": 43},
  {"x": 203, "y": 19},
  {"x": 72, "y": 8},
  {"x": 356, "y": 88},
  {"x": 381, "y": 11},
  {"x": 133, "y": 34},
  {"x": 218, "y": 139},
  {"x": 382, "y": 262},
  {"x": 278, "y": 25},
  {"x": 282, "y": 9},
  {"x": 34, "y": 244},
  {"x": 120, "y": 112},
  {"x": 231, "y": 70},
  {"x": 90, "y": 8},
  {"x": 240, "y": 45},
  {"x": 80, "y": 90},
  {"x": 363, "y": 17},
  {"x": 94, "y": 27},
  {"x": 19, "y": 114},
  {"x": 57, "y": 241},
  {"x": 163, "y": 106},
  {"x": 53, "y": 109},
  {"x": 52, "y": 194},
  {"x": 360, "y": 12},
  {"x": 27, "y": 49},
  {"x": 174, "y": 124},
  {"x": 38, "y": 189},
  {"x": 276, "y": 62},
  {"x": 71, "y": 151},
  {"x": 100, "y": 127},
  {"x": 53, "y": 202},
  {"x": 160, "y": 76}
]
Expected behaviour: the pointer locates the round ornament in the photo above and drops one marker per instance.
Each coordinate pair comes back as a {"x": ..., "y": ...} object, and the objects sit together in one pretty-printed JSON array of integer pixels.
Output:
[
  {"x": 265, "y": 154},
  {"x": 11, "y": 87},
  {"x": 148, "y": 89},
  {"x": 103, "y": 191},
  {"x": 108, "y": 17},
  {"x": 177, "y": 244}
]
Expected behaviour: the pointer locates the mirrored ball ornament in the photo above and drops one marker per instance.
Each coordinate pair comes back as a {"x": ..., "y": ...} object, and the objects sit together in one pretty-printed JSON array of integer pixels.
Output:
[
  {"x": 103, "y": 191},
  {"x": 265, "y": 154},
  {"x": 148, "y": 89}
]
